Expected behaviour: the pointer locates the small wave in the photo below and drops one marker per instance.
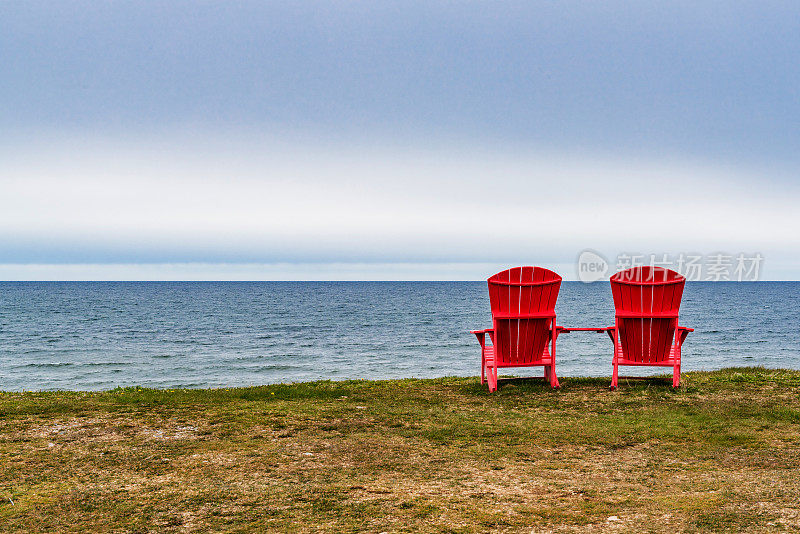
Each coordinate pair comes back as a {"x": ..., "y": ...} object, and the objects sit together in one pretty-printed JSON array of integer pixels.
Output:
[{"x": 276, "y": 367}]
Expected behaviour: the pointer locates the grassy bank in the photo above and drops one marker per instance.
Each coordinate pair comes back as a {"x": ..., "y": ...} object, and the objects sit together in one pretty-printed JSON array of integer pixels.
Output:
[{"x": 722, "y": 453}]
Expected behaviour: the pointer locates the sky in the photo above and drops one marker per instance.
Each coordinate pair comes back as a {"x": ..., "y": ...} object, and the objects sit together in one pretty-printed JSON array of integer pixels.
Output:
[{"x": 393, "y": 140}]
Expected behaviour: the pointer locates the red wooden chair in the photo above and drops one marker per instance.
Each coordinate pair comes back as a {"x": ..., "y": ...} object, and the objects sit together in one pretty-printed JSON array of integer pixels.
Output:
[
  {"x": 646, "y": 331},
  {"x": 523, "y": 303}
]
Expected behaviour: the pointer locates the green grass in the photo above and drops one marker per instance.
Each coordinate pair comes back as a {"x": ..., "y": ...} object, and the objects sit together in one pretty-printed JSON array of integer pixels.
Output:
[{"x": 722, "y": 453}]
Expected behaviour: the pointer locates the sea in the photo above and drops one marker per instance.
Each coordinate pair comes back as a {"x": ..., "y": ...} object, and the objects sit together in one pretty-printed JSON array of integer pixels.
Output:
[{"x": 102, "y": 335}]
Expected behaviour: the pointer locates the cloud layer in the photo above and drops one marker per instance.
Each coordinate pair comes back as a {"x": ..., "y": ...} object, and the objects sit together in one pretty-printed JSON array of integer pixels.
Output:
[{"x": 265, "y": 201}]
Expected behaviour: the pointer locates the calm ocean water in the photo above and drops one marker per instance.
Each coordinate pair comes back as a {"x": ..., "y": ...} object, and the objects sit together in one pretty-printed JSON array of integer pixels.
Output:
[{"x": 88, "y": 336}]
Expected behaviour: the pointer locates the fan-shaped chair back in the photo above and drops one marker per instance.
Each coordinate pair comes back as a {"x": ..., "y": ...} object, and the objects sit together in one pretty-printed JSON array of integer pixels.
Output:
[
  {"x": 523, "y": 301},
  {"x": 647, "y": 301}
]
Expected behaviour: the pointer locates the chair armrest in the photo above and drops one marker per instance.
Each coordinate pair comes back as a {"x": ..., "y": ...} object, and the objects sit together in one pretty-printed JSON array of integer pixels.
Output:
[
  {"x": 611, "y": 331},
  {"x": 484, "y": 331},
  {"x": 682, "y": 333},
  {"x": 481, "y": 335}
]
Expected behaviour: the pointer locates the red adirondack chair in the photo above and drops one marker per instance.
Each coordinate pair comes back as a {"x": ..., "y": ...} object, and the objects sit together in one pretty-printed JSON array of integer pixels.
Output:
[
  {"x": 646, "y": 331},
  {"x": 523, "y": 301}
]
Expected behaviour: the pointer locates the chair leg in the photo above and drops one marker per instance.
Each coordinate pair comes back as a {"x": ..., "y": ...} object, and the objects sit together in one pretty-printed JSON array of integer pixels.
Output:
[
  {"x": 553, "y": 378},
  {"x": 676, "y": 376},
  {"x": 552, "y": 368},
  {"x": 492, "y": 376},
  {"x": 483, "y": 368},
  {"x": 614, "y": 377},
  {"x": 615, "y": 339},
  {"x": 547, "y": 373}
]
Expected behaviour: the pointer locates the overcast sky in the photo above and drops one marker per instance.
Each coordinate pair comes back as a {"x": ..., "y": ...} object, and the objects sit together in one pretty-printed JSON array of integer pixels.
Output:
[{"x": 433, "y": 140}]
